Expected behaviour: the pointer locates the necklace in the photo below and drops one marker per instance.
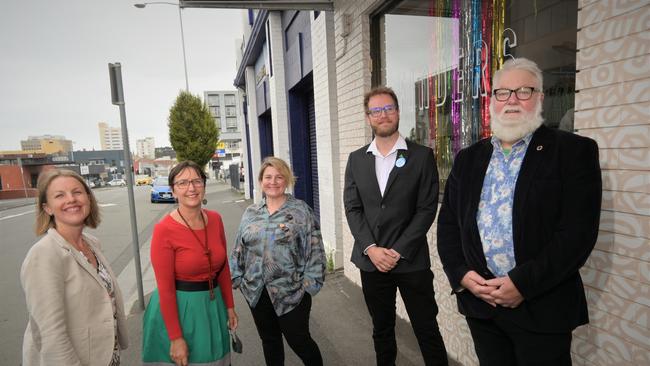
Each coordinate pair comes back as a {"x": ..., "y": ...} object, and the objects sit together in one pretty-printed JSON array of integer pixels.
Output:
[{"x": 206, "y": 248}]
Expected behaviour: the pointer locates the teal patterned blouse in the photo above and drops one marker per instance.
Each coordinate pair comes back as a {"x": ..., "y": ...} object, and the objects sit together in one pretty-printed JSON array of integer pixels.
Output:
[{"x": 282, "y": 252}]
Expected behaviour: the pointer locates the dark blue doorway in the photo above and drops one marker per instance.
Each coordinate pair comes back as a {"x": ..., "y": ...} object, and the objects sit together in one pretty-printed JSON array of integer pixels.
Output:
[
  {"x": 266, "y": 134},
  {"x": 304, "y": 154}
]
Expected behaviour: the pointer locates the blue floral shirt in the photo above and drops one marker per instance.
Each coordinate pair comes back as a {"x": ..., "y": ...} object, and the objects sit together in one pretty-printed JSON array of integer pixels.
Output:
[
  {"x": 282, "y": 252},
  {"x": 494, "y": 214}
]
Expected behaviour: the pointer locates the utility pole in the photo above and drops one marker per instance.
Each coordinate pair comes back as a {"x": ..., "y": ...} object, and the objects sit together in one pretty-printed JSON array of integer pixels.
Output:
[{"x": 117, "y": 96}]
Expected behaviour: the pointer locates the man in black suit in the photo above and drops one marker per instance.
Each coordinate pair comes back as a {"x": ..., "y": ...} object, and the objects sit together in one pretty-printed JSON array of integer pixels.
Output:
[
  {"x": 391, "y": 198},
  {"x": 519, "y": 218}
]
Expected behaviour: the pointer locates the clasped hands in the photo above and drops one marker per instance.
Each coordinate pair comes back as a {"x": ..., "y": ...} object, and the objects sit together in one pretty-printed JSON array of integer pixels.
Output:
[
  {"x": 497, "y": 291},
  {"x": 384, "y": 259}
]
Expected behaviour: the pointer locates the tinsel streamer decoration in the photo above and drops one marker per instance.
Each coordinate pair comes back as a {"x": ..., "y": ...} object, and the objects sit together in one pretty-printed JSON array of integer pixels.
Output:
[
  {"x": 498, "y": 27},
  {"x": 486, "y": 58},
  {"x": 455, "y": 107},
  {"x": 477, "y": 46},
  {"x": 466, "y": 67}
]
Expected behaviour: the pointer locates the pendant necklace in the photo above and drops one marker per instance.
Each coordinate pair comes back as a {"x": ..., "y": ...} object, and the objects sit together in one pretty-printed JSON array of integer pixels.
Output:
[{"x": 206, "y": 248}]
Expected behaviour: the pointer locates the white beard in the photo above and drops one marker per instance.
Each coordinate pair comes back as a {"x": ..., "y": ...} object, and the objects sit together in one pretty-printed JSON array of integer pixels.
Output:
[{"x": 514, "y": 129}]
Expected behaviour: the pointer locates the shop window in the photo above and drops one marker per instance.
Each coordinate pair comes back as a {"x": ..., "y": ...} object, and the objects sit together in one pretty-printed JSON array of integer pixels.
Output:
[{"x": 439, "y": 57}]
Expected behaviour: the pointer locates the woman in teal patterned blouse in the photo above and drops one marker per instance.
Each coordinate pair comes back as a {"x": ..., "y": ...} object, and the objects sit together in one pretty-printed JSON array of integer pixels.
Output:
[{"x": 278, "y": 262}]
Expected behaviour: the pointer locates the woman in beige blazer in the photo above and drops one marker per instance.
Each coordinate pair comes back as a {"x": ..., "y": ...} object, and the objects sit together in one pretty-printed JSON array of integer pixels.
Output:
[{"x": 76, "y": 311}]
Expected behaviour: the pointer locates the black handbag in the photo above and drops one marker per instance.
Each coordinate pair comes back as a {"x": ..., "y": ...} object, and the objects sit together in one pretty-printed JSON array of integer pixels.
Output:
[{"x": 237, "y": 346}]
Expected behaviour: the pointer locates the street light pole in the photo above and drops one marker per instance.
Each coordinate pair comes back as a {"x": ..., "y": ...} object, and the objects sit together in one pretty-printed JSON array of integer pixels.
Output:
[{"x": 180, "y": 17}]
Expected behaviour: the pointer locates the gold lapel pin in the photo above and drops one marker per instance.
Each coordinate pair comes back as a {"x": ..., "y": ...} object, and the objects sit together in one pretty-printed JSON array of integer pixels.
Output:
[{"x": 539, "y": 148}]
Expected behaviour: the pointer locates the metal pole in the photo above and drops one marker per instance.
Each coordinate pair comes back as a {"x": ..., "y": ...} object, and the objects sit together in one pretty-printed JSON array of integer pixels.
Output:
[
  {"x": 22, "y": 175},
  {"x": 115, "y": 71},
  {"x": 180, "y": 16}
]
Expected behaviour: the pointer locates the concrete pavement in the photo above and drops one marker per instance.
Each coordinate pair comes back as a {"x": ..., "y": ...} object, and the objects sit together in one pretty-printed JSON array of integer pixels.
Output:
[{"x": 16, "y": 202}]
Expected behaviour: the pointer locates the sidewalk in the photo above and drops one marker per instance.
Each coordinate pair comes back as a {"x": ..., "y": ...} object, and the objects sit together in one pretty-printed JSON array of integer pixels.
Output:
[
  {"x": 340, "y": 324},
  {"x": 16, "y": 202}
]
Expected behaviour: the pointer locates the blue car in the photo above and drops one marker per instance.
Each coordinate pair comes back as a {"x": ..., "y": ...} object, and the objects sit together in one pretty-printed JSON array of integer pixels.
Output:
[{"x": 161, "y": 191}]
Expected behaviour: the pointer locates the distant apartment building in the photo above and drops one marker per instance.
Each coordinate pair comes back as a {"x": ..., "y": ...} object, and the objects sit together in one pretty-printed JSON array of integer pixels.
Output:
[
  {"x": 225, "y": 107},
  {"x": 48, "y": 144},
  {"x": 146, "y": 148},
  {"x": 110, "y": 138}
]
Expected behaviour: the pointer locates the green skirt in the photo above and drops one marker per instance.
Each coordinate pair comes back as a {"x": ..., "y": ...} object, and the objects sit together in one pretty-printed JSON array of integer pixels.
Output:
[{"x": 205, "y": 329}]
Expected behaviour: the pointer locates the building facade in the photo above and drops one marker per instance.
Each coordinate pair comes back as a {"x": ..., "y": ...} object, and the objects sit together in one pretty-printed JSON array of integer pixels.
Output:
[
  {"x": 226, "y": 109},
  {"x": 146, "y": 148},
  {"x": 439, "y": 57},
  {"x": 110, "y": 138},
  {"x": 48, "y": 144}
]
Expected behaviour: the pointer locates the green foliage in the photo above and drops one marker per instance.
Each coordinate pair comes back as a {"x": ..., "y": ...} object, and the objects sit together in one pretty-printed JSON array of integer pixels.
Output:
[{"x": 192, "y": 130}]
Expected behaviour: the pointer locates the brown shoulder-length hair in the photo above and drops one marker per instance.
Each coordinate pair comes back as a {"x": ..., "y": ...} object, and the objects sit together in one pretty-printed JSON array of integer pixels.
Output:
[
  {"x": 281, "y": 166},
  {"x": 379, "y": 90},
  {"x": 45, "y": 221}
]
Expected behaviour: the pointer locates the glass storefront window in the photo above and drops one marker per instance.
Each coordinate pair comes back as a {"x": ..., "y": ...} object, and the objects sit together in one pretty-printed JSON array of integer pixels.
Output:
[{"x": 439, "y": 57}]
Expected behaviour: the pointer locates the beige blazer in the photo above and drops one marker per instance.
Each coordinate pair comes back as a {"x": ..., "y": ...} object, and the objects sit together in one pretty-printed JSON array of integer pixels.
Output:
[{"x": 70, "y": 311}]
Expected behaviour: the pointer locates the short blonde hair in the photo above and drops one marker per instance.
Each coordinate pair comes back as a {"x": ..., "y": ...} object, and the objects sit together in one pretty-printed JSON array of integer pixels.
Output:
[
  {"x": 43, "y": 220},
  {"x": 281, "y": 166}
]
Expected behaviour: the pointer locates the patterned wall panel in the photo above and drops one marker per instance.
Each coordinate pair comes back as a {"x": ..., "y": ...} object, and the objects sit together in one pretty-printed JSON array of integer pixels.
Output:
[
  {"x": 624, "y": 115},
  {"x": 613, "y": 29},
  {"x": 599, "y": 10},
  {"x": 614, "y": 94},
  {"x": 616, "y": 72},
  {"x": 634, "y": 45},
  {"x": 613, "y": 108}
]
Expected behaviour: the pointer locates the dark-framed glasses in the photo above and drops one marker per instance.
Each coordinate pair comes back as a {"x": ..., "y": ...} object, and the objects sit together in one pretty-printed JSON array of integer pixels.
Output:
[
  {"x": 184, "y": 183},
  {"x": 523, "y": 93},
  {"x": 390, "y": 109}
]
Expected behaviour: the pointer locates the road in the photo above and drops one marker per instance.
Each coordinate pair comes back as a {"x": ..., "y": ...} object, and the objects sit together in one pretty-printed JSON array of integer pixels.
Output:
[{"x": 17, "y": 236}]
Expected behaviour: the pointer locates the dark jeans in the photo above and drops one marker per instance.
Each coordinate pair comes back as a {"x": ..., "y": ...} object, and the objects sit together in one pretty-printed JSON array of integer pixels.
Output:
[
  {"x": 294, "y": 325},
  {"x": 499, "y": 342},
  {"x": 416, "y": 288}
]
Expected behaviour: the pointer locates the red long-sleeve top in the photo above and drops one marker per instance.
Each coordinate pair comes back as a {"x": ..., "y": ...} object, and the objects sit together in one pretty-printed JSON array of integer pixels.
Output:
[{"x": 176, "y": 254}]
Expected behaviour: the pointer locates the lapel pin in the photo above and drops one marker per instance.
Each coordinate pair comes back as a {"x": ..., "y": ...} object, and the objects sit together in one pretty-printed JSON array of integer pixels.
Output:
[
  {"x": 400, "y": 162},
  {"x": 539, "y": 148}
]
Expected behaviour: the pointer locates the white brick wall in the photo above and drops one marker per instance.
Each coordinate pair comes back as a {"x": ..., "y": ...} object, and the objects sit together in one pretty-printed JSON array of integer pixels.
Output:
[
  {"x": 254, "y": 131},
  {"x": 278, "y": 89},
  {"x": 325, "y": 103}
]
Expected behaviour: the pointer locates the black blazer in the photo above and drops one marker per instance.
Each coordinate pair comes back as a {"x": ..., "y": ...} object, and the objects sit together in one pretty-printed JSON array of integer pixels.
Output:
[
  {"x": 556, "y": 212},
  {"x": 402, "y": 217}
]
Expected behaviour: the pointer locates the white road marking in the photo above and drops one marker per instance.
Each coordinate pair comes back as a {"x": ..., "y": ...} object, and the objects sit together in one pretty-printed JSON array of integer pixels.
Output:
[{"x": 16, "y": 215}]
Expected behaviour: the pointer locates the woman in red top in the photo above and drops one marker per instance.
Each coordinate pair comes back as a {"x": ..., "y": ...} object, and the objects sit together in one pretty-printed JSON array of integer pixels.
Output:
[{"x": 188, "y": 316}]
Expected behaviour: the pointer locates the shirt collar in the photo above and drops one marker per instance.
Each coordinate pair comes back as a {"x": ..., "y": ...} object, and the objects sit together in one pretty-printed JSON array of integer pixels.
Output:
[
  {"x": 522, "y": 142},
  {"x": 400, "y": 144}
]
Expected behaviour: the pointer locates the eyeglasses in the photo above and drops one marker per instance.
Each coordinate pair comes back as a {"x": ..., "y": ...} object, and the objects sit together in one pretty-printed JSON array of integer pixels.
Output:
[
  {"x": 523, "y": 93},
  {"x": 390, "y": 109},
  {"x": 197, "y": 183}
]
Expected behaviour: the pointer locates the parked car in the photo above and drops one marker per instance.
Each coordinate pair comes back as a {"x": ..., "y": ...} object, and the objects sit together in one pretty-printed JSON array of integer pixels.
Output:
[
  {"x": 117, "y": 183},
  {"x": 161, "y": 191},
  {"x": 144, "y": 181}
]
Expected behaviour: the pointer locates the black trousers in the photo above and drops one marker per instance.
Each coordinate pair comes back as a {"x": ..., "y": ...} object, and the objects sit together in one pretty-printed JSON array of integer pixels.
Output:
[
  {"x": 416, "y": 288},
  {"x": 499, "y": 342},
  {"x": 294, "y": 325}
]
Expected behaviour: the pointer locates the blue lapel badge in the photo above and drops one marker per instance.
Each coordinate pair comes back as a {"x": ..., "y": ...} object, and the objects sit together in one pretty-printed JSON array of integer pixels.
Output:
[{"x": 400, "y": 161}]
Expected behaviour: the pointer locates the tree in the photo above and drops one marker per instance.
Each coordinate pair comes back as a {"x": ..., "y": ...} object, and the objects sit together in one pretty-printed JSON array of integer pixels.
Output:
[{"x": 192, "y": 130}]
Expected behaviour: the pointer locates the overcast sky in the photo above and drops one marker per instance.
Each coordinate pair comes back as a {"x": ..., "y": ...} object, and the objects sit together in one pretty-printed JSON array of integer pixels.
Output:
[{"x": 54, "y": 59}]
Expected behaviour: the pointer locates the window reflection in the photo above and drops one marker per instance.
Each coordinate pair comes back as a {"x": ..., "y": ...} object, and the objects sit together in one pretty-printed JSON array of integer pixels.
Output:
[{"x": 439, "y": 57}]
